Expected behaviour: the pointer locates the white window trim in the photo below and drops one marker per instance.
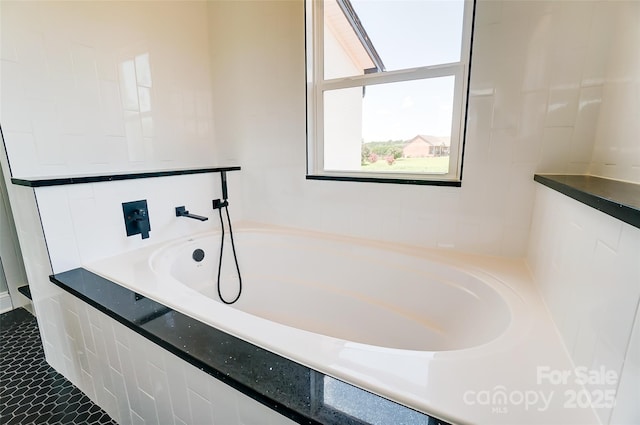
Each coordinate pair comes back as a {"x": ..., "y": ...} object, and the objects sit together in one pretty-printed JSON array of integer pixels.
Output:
[{"x": 317, "y": 86}]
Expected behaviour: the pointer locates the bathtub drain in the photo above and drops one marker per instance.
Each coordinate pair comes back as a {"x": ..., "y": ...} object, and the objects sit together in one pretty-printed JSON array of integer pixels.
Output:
[{"x": 198, "y": 255}]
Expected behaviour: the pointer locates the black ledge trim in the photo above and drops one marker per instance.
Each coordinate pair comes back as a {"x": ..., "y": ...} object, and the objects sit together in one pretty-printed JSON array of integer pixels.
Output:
[
  {"x": 26, "y": 291},
  {"x": 59, "y": 181},
  {"x": 618, "y": 199},
  {"x": 283, "y": 385},
  {"x": 386, "y": 180}
]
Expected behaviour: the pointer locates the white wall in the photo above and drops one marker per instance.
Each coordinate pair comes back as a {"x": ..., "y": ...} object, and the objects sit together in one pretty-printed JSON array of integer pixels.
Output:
[
  {"x": 12, "y": 274},
  {"x": 536, "y": 85},
  {"x": 587, "y": 266},
  {"x": 84, "y": 222},
  {"x": 95, "y": 87},
  {"x": 616, "y": 152},
  {"x": 105, "y": 87},
  {"x": 73, "y": 104}
]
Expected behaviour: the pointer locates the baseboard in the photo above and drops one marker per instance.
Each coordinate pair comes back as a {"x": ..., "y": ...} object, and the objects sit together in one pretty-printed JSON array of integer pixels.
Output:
[{"x": 5, "y": 302}]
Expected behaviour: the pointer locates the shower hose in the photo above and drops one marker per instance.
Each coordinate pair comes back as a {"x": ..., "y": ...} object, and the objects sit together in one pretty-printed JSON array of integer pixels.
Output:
[{"x": 235, "y": 257}]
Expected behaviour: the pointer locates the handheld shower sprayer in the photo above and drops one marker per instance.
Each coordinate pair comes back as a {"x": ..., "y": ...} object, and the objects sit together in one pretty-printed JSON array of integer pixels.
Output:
[
  {"x": 219, "y": 205},
  {"x": 223, "y": 181}
]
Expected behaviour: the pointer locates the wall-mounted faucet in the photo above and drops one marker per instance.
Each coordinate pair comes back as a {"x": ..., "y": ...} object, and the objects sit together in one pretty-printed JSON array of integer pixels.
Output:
[
  {"x": 182, "y": 212},
  {"x": 136, "y": 218}
]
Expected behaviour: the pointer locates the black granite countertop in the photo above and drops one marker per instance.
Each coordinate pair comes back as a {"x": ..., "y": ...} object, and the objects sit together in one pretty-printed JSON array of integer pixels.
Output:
[
  {"x": 285, "y": 386},
  {"x": 618, "y": 199}
]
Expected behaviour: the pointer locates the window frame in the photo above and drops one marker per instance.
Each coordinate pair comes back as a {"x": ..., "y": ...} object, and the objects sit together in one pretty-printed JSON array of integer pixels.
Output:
[{"x": 316, "y": 87}]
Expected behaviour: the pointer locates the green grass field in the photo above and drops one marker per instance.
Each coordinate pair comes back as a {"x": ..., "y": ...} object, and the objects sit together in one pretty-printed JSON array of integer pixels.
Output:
[{"x": 411, "y": 165}]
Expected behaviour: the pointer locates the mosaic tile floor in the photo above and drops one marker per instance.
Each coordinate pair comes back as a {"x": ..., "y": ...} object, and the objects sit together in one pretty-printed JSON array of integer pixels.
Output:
[{"x": 31, "y": 392}]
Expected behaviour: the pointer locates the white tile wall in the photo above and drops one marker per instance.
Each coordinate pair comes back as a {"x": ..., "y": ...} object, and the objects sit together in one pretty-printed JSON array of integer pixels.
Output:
[
  {"x": 539, "y": 105},
  {"x": 142, "y": 385},
  {"x": 145, "y": 384},
  {"x": 12, "y": 273},
  {"x": 536, "y": 93},
  {"x": 84, "y": 222},
  {"x": 626, "y": 411},
  {"x": 95, "y": 87},
  {"x": 64, "y": 110},
  {"x": 587, "y": 266},
  {"x": 616, "y": 153}
]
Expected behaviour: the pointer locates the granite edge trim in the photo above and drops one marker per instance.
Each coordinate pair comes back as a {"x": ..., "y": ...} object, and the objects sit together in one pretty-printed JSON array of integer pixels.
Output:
[
  {"x": 61, "y": 181},
  {"x": 611, "y": 207},
  {"x": 212, "y": 371},
  {"x": 388, "y": 180}
]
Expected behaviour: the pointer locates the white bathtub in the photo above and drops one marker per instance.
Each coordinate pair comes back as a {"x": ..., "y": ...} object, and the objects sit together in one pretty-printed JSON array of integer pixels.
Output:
[
  {"x": 353, "y": 292},
  {"x": 425, "y": 328}
]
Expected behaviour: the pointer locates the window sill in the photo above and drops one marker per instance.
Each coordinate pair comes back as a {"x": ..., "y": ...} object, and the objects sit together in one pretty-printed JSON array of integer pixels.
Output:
[{"x": 450, "y": 183}]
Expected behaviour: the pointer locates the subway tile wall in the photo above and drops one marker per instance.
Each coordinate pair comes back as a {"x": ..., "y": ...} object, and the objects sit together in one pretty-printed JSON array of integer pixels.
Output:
[
  {"x": 134, "y": 380},
  {"x": 616, "y": 151},
  {"x": 539, "y": 74},
  {"x": 12, "y": 273},
  {"x": 538, "y": 78},
  {"x": 103, "y": 87},
  {"x": 587, "y": 266},
  {"x": 84, "y": 222}
]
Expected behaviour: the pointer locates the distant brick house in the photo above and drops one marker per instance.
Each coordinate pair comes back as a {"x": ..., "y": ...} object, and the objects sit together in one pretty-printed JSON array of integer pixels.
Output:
[{"x": 426, "y": 146}]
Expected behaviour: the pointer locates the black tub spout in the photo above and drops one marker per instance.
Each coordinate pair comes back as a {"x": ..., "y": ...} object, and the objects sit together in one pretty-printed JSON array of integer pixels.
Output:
[{"x": 182, "y": 212}]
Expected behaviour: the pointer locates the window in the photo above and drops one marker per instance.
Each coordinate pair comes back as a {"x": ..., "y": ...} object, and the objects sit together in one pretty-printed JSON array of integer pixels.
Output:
[{"x": 387, "y": 86}]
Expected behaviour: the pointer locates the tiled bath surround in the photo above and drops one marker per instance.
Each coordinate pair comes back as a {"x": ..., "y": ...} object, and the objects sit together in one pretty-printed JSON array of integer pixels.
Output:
[
  {"x": 83, "y": 222},
  {"x": 137, "y": 382},
  {"x": 75, "y": 216},
  {"x": 587, "y": 266},
  {"x": 12, "y": 262},
  {"x": 540, "y": 74},
  {"x": 100, "y": 87},
  {"x": 550, "y": 83},
  {"x": 616, "y": 151}
]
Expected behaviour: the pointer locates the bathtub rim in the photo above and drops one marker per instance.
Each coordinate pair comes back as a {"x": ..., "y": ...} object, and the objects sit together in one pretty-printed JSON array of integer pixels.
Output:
[{"x": 533, "y": 320}]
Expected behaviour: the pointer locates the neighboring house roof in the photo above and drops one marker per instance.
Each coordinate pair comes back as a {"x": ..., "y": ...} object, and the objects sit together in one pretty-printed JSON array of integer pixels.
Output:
[
  {"x": 345, "y": 23},
  {"x": 432, "y": 140}
]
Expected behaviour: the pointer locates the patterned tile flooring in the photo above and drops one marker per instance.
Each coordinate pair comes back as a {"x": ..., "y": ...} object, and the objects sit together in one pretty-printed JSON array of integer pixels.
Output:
[{"x": 31, "y": 392}]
